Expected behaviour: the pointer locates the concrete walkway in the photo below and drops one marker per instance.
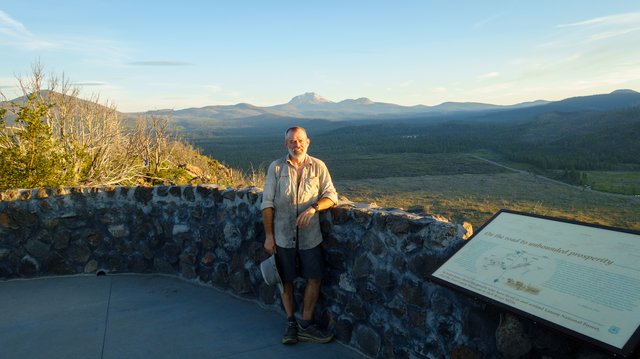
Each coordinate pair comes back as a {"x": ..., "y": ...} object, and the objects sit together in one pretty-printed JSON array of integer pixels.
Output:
[{"x": 140, "y": 316}]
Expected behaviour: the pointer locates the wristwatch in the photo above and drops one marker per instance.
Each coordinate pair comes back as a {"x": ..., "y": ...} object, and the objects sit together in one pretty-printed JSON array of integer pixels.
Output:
[{"x": 316, "y": 207}]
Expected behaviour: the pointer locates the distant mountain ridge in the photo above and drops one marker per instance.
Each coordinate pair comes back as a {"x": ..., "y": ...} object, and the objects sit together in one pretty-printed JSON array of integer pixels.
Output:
[{"x": 311, "y": 105}]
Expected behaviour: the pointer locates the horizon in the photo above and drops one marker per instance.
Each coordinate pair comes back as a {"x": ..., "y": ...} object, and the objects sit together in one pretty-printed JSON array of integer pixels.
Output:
[
  {"x": 146, "y": 56},
  {"x": 351, "y": 99}
]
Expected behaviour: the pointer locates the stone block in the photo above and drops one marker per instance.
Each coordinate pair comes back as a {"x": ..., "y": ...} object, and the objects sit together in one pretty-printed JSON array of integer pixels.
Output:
[
  {"x": 423, "y": 264},
  {"x": 511, "y": 339},
  {"x": 367, "y": 340},
  {"x": 7, "y": 222},
  {"x": 42, "y": 193},
  {"x": 188, "y": 194},
  {"x": 175, "y": 191},
  {"x": 91, "y": 266},
  {"x": 61, "y": 239},
  {"x": 240, "y": 283},
  {"x": 362, "y": 267},
  {"x": 162, "y": 191},
  {"x": 28, "y": 266},
  {"x": 413, "y": 293},
  {"x": 118, "y": 230},
  {"x": 397, "y": 224},
  {"x": 344, "y": 329},
  {"x": 26, "y": 195},
  {"x": 356, "y": 308},
  {"x": 374, "y": 244},
  {"x": 79, "y": 252},
  {"x": 229, "y": 194},
  {"x": 203, "y": 192},
  {"x": 385, "y": 279},
  {"x": 143, "y": 194},
  {"x": 37, "y": 249}
]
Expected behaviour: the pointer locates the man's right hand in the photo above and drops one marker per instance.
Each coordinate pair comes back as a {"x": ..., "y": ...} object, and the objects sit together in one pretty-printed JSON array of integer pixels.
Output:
[{"x": 270, "y": 245}]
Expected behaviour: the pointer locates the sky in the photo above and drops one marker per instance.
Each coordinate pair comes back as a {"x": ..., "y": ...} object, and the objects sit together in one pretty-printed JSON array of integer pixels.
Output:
[{"x": 149, "y": 55}]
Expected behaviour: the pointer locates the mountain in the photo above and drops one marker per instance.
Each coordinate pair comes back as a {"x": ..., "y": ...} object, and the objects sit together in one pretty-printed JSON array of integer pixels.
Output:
[
  {"x": 311, "y": 105},
  {"x": 308, "y": 99}
]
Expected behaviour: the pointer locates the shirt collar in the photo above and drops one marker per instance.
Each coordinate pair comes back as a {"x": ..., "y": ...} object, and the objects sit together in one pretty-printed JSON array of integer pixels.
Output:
[{"x": 304, "y": 162}]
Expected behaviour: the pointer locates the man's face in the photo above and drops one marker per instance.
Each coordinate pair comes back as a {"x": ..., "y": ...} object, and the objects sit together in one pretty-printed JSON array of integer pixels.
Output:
[{"x": 297, "y": 143}]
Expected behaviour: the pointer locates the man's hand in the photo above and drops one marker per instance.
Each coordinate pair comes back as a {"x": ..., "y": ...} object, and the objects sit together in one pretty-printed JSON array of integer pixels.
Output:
[
  {"x": 270, "y": 245},
  {"x": 305, "y": 217}
]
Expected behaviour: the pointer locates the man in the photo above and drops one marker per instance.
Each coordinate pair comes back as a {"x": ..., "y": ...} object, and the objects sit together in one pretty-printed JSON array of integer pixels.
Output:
[{"x": 296, "y": 188}]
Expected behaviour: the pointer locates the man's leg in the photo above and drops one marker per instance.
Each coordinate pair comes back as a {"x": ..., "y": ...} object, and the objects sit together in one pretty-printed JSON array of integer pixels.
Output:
[
  {"x": 312, "y": 269},
  {"x": 285, "y": 259},
  {"x": 311, "y": 293},
  {"x": 287, "y": 298}
]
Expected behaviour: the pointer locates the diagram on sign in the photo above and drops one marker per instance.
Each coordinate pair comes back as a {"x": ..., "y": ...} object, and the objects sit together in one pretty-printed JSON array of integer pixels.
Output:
[{"x": 516, "y": 269}]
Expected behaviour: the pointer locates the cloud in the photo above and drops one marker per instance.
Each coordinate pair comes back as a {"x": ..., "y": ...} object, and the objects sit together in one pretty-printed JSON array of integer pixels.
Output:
[
  {"x": 610, "y": 34},
  {"x": 482, "y": 23},
  {"x": 17, "y": 35},
  {"x": 159, "y": 63},
  {"x": 90, "y": 83},
  {"x": 489, "y": 75},
  {"x": 212, "y": 88},
  {"x": 632, "y": 17}
]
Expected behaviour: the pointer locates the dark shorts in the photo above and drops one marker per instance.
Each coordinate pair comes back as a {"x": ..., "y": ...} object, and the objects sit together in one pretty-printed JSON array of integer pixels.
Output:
[{"x": 306, "y": 263}]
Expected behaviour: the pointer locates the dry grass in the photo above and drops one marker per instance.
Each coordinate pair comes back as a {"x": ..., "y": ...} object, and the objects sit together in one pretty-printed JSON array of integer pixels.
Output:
[{"x": 476, "y": 197}]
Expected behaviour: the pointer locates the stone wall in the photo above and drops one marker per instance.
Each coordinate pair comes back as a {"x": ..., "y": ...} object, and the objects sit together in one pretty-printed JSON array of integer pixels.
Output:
[{"x": 376, "y": 294}]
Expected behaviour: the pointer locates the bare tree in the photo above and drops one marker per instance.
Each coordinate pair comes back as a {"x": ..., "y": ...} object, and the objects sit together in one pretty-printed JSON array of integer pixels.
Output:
[{"x": 98, "y": 149}]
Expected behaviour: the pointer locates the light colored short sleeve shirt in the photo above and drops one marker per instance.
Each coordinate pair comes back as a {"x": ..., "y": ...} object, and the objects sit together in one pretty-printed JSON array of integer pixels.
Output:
[{"x": 288, "y": 198}]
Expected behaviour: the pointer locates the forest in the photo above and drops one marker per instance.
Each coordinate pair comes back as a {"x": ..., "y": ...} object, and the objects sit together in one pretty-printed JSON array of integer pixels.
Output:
[{"x": 561, "y": 145}]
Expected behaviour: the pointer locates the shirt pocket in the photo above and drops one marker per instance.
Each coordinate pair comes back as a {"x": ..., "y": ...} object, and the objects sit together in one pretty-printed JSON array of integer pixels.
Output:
[
  {"x": 311, "y": 188},
  {"x": 284, "y": 183}
]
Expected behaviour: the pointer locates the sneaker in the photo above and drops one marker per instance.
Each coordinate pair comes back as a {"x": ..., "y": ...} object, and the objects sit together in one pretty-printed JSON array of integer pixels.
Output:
[
  {"x": 313, "y": 334},
  {"x": 291, "y": 334}
]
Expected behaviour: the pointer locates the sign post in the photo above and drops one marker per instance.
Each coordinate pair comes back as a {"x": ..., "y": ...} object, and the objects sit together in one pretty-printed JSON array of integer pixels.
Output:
[{"x": 580, "y": 278}]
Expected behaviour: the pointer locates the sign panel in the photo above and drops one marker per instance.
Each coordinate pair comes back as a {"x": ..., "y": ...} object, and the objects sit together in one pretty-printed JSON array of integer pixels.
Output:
[{"x": 578, "y": 277}]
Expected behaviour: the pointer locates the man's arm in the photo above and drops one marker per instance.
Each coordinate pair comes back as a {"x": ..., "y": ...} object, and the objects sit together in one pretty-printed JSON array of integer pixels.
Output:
[
  {"x": 269, "y": 238},
  {"x": 268, "y": 196},
  {"x": 305, "y": 217}
]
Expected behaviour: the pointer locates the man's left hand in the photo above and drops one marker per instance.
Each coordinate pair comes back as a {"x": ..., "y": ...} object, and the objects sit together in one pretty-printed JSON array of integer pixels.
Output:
[{"x": 305, "y": 217}]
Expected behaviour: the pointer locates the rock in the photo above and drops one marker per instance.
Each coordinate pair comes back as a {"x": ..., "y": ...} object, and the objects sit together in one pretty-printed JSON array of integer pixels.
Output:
[
  {"x": 368, "y": 340},
  {"x": 28, "y": 266},
  {"x": 91, "y": 266},
  {"x": 511, "y": 339},
  {"x": 118, "y": 230},
  {"x": 344, "y": 329},
  {"x": 469, "y": 228}
]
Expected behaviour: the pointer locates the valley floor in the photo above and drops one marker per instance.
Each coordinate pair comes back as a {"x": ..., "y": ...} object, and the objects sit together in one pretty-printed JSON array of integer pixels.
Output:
[{"x": 474, "y": 198}]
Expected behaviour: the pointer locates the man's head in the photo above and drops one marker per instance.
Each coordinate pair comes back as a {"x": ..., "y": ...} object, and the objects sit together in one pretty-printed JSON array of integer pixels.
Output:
[{"x": 296, "y": 142}]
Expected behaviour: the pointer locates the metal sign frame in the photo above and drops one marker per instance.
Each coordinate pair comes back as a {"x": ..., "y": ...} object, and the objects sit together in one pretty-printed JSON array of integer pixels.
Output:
[{"x": 516, "y": 255}]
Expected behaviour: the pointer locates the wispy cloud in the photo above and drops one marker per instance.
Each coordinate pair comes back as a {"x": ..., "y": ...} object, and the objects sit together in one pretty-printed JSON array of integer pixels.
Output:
[
  {"x": 489, "y": 75},
  {"x": 90, "y": 83},
  {"x": 628, "y": 18},
  {"x": 17, "y": 35},
  {"x": 610, "y": 34},
  {"x": 159, "y": 63},
  {"x": 482, "y": 23},
  {"x": 212, "y": 88}
]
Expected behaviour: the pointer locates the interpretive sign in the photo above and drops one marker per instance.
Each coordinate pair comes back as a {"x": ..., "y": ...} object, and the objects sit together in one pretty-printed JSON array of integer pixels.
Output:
[{"x": 580, "y": 278}]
